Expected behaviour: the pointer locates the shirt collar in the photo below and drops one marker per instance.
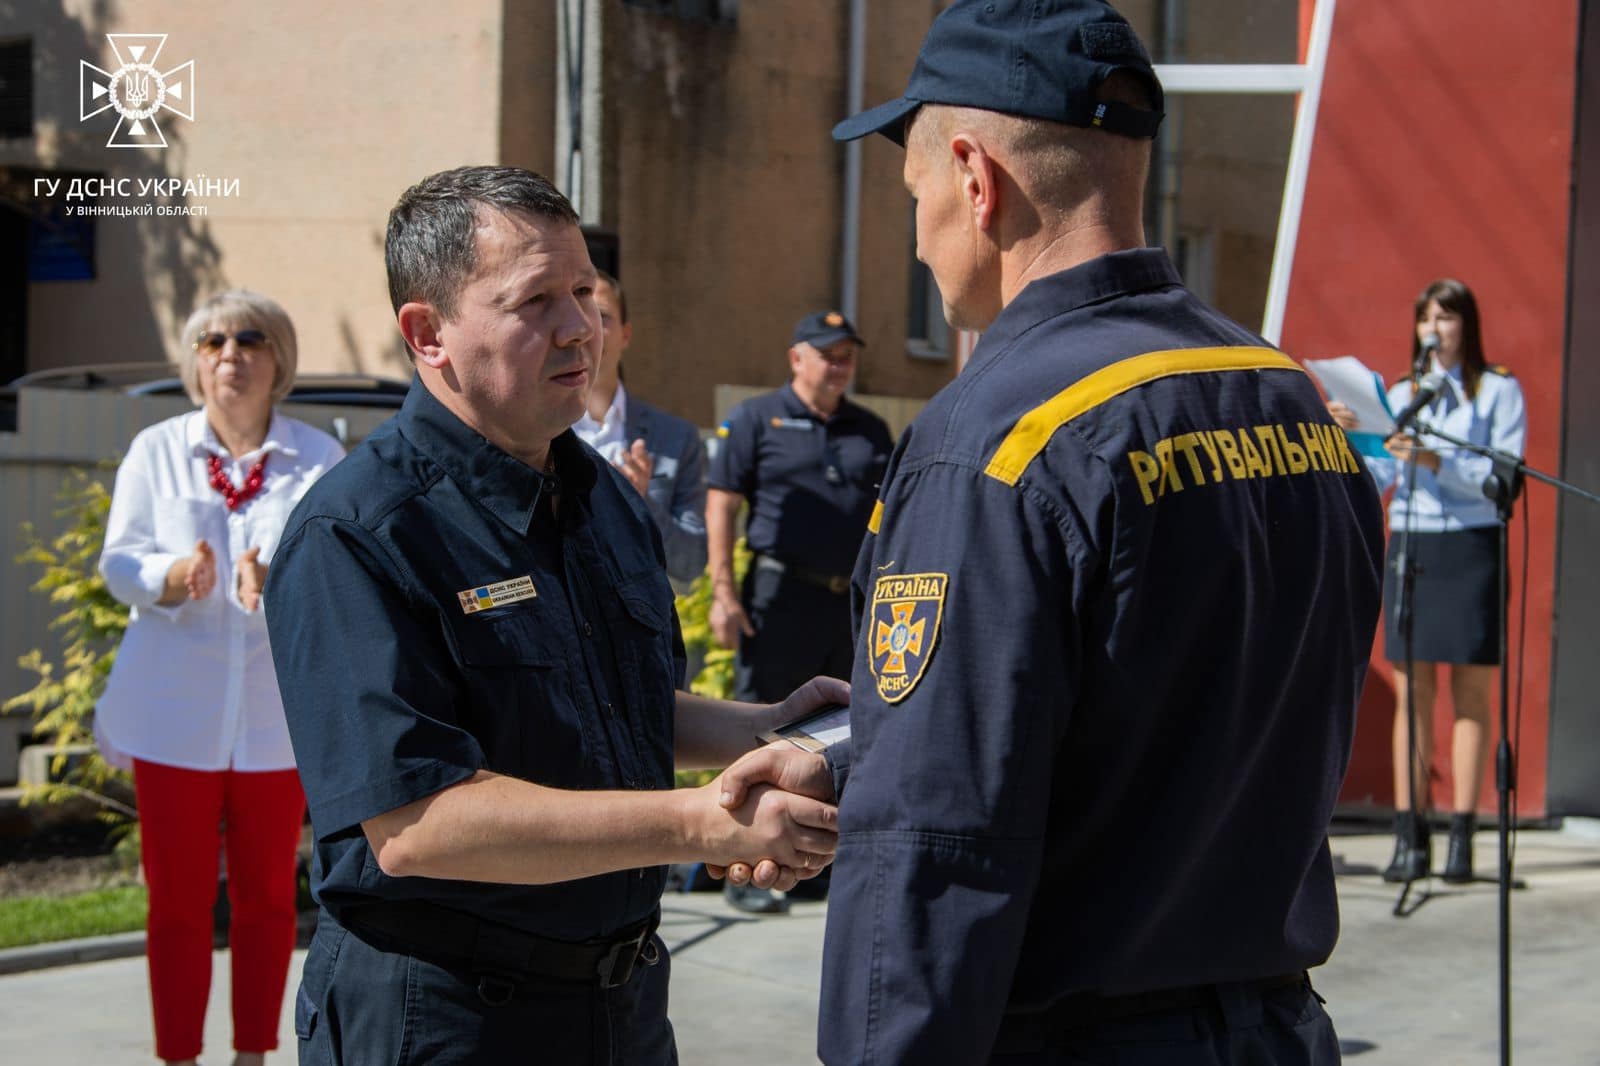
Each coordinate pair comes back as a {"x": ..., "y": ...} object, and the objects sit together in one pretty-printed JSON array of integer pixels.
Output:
[
  {"x": 796, "y": 407},
  {"x": 1101, "y": 278},
  {"x": 201, "y": 440},
  {"x": 506, "y": 487},
  {"x": 616, "y": 415}
]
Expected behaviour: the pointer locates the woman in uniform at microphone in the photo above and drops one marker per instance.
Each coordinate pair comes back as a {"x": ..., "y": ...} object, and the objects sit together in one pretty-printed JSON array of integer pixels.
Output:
[{"x": 1438, "y": 508}]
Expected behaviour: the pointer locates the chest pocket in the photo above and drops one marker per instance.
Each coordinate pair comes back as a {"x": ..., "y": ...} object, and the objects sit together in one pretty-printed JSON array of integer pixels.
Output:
[
  {"x": 647, "y": 660},
  {"x": 517, "y": 699}
]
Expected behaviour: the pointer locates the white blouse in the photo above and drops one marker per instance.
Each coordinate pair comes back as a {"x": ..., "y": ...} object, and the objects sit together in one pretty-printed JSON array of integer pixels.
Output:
[
  {"x": 1452, "y": 499},
  {"x": 193, "y": 684}
]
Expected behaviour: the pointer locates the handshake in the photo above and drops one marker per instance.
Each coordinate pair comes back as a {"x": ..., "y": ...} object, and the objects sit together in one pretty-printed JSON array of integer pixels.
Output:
[{"x": 770, "y": 819}]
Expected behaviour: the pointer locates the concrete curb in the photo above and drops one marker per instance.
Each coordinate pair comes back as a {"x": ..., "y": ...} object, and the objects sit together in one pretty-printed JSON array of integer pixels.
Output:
[{"x": 71, "y": 952}]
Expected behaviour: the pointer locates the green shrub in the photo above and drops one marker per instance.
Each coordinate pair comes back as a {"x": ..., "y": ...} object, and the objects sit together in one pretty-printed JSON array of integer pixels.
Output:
[
  {"x": 715, "y": 678},
  {"x": 63, "y": 700}
]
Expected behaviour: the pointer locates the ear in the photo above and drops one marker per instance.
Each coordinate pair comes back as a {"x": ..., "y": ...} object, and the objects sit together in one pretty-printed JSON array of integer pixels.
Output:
[
  {"x": 795, "y": 355},
  {"x": 419, "y": 325},
  {"x": 627, "y": 335},
  {"x": 979, "y": 178}
]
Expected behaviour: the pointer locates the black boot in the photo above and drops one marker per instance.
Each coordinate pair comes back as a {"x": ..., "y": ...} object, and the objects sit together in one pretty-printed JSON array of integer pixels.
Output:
[
  {"x": 1413, "y": 852},
  {"x": 1458, "y": 864}
]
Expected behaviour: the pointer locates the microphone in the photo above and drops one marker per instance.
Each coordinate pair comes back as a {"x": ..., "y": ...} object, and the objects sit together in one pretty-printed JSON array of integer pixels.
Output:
[
  {"x": 1427, "y": 389},
  {"x": 1424, "y": 356}
]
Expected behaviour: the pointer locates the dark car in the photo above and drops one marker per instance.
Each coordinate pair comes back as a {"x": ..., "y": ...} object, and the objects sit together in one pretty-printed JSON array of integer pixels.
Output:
[{"x": 161, "y": 379}]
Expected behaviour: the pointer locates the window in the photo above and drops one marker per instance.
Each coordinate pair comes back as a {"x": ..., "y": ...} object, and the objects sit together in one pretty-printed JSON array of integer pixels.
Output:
[
  {"x": 693, "y": 10},
  {"x": 927, "y": 333},
  {"x": 16, "y": 88}
]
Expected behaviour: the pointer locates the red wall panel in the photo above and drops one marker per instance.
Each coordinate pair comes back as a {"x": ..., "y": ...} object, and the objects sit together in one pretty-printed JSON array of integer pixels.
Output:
[{"x": 1443, "y": 148}]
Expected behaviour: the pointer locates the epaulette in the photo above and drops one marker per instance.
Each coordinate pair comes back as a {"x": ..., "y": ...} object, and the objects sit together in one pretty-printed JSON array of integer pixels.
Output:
[{"x": 1498, "y": 370}]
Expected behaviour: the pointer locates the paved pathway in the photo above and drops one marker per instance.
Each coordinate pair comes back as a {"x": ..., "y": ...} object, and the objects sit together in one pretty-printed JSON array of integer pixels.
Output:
[{"x": 1403, "y": 992}]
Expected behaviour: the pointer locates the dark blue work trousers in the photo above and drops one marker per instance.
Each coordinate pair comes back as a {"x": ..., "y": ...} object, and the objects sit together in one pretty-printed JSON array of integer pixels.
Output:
[
  {"x": 1279, "y": 1027},
  {"x": 359, "y": 1005}
]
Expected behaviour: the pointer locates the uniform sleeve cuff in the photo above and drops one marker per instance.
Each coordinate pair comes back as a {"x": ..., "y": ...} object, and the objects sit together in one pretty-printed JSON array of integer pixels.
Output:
[{"x": 837, "y": 756}]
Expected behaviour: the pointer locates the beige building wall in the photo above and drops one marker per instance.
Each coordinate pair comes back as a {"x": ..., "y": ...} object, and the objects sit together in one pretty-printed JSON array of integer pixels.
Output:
[
  {"x": 722, "y": 182},
  {"x": 324, "y": 112},
  {"x": 729, "y": 194}
]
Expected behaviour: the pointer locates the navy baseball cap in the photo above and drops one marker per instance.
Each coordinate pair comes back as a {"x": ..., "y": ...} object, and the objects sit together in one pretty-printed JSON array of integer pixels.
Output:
[
  {"x": 824, "y": 328},
  {"x": 1035, "y": 58}
]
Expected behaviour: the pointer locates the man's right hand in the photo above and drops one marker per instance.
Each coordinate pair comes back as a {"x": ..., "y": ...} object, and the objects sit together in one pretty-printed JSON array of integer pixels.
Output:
[
  {"x": 784, "y": 766},
  {"x": 728, "y": 620},
  {"x": 794, "y": 832}
]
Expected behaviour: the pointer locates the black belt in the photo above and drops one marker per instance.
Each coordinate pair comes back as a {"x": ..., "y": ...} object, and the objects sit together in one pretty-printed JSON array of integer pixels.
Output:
[
  {"x": 1030, "y": 1031},
  {"x": 837, "y": 584},
  {"x": 457, "y": 940}
]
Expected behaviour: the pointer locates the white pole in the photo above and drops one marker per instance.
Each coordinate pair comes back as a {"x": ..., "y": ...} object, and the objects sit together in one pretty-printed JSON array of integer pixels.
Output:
[{"x": 1294, "y": 183}]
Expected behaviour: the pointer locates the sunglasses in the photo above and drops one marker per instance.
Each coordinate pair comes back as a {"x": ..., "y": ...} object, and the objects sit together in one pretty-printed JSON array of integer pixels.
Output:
[{"x": 212, "y": 342}]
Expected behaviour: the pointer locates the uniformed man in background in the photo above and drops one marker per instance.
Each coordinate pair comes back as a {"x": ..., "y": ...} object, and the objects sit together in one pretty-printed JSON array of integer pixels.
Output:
[{"x": 808, "y": 461}]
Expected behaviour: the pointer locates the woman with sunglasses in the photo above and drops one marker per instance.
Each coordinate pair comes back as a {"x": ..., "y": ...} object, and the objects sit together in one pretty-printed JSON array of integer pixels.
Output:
[{"x": 192, "y": 702}]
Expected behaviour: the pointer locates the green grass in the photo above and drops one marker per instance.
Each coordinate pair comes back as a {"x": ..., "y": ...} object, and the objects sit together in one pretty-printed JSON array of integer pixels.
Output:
[{"x": 42, "y": 919}]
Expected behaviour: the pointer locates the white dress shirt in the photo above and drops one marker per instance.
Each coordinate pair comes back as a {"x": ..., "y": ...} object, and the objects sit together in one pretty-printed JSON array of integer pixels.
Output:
[
  {"x": 193, "y": 684},
  {"x": 610, "y": 436}
]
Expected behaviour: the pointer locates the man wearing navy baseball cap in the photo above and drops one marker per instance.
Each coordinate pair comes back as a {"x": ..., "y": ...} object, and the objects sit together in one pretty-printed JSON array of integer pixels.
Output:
[
  {"x": 807, "y": 462},
  {"x": 1113, "y": 612}
]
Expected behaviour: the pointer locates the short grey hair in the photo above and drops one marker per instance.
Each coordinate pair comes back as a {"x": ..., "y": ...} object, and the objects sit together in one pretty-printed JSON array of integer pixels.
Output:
[
  {"x": 238, "y": 309},
  {"x": 430, "y": 249}
]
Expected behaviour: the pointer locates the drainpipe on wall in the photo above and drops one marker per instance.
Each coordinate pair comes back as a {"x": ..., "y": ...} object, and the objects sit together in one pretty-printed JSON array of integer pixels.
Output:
[
  {"x": 1171, "y": 178},
  {"x": 850, "y": 238},
  {"x": 579, "y": 105}
]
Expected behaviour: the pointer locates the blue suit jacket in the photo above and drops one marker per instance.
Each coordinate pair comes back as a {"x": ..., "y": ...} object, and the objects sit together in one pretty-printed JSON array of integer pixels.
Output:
[{"x": 677, "y": 496}]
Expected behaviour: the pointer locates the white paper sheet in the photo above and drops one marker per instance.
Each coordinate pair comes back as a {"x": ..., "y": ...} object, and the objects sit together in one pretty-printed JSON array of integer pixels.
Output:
[{"x": 1349, "y": 380}]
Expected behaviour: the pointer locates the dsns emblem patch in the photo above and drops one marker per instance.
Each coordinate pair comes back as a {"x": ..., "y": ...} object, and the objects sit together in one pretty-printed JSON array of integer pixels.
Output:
[{"x": 906, "y": 609}]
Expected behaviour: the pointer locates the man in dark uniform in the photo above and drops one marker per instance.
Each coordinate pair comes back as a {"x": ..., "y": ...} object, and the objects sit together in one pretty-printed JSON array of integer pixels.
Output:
[
  {"x": 808, "y": 462},
  {"x": 1114, "y": 612},
  {"x": 478, "y": 655}
]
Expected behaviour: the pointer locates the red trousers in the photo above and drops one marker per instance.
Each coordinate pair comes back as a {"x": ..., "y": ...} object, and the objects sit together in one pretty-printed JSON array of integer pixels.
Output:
[{"x": 185, "y": 818}]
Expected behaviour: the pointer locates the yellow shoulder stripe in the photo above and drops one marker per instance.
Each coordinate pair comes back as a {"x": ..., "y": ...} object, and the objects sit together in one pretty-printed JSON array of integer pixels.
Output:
[
  {"x": 877, "y": 518},
  {"x": 1034, "y": 430}
]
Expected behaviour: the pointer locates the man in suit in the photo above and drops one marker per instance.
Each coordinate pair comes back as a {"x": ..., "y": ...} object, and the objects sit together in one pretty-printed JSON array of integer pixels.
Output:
[{"x": 660, "y": 454}]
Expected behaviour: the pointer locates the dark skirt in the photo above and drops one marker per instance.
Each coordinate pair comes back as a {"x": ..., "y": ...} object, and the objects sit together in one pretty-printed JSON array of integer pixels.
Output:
[{"x": 1456, "y": 598}]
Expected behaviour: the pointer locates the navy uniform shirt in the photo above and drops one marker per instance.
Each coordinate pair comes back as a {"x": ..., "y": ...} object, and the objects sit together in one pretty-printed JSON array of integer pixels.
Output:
[
  {"x": 1112, "y": 626},
  {"x": 811, "y": 483},
  {"x": 431, "y": 617}
]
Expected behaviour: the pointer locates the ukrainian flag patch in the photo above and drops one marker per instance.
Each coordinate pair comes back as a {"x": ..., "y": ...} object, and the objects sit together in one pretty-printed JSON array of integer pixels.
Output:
[{"x": 904, "y": 629}]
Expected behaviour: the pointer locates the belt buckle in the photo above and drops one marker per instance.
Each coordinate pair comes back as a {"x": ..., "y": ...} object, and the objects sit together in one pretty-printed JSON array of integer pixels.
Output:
[
  {"x": 838, "y": 584},
  {"x": 616, "y": 966}
]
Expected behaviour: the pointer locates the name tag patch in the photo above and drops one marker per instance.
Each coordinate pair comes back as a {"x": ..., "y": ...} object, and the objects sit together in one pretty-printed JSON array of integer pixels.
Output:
[
  {"x": 497, "y": 595},
  {"x": 903, "y": 630}
]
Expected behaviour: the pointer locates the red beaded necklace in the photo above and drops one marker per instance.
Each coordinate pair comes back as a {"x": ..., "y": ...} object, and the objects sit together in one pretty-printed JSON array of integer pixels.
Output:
[{"x": 236, "y": 498}]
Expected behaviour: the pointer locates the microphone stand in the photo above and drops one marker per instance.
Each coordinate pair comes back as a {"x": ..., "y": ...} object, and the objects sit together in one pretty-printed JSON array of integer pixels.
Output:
[
  {"x": 1405, "y": 615},
  {"x": 1502, "y": 486}
]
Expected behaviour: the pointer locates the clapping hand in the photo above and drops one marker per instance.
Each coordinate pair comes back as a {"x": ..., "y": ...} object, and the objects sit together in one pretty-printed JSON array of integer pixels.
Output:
[
  {"x": 201, "y": 575},
  {"x": 637, "y": 466},
  {"x": 252, "y": 576}
]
